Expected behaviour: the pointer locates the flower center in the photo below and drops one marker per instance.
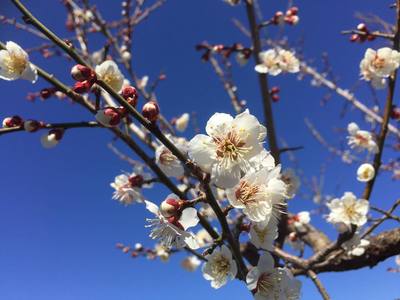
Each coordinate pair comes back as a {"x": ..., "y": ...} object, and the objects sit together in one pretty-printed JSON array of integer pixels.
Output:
[
  {"x": 220, "y": 265},
  {"x": 230, "y": 148},
  {"x": 15, "y": 64},
  {"x": 247, "y": 193},
  {"x": 378, "y": 63},
  {"x": 265, "y": 284},
  {"x": 166, "y": 157}
]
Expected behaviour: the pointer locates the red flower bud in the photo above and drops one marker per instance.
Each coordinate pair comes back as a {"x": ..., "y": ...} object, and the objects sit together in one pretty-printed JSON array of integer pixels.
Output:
[
  {"x": 130, "y": 94},
  {"x": 14, "y": 121},
  {"x": 151, "y": 111},
  {"x": 275, "y": 97},
  {"x": 82, "y": 73},
  {"x": 395, "y": 113},
  {"x": 275, "y": 90},
  {"x": 46, "y": 93},
  {"x": 136, "y": 181},
  {"x": 109, "y": 116},
  {"x": 82, "y": 87}
]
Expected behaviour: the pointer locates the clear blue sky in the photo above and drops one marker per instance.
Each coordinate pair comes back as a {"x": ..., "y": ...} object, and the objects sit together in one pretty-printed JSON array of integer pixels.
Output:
[{"x": 58, "y": 224}]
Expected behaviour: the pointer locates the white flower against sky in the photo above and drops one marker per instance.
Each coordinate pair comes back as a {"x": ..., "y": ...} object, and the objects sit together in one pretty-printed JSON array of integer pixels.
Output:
[
  {"x": 220, "y": 267},
  {"x": 263, "y": 234},
  {"x": 365, "y": 172},
  {"x": 292, "y": 182},
  {"x": 381, "y": 63},
  {"x": 361, "y": 139},
  {"x": 182, "y": 122},
  {"x": 276, "y": 61},
  {"x": 355, "y": 246},
  {"x": 269, "y": 283},
  {"x": 257, "y": 194},
  {"x": 14, "y": 64},
  {"x": 167, "y": 161},
  {"x": 170, "y": 229},
  {"x": 128, "y": 186},
  {"x": 109, "y": 72},
  {"x": 227, "y": 148},
  {"x": 348, "y": 210}
]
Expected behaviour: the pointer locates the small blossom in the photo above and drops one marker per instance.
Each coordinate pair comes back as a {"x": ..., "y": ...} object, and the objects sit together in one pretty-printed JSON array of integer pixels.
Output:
[
  {"x": 292, "y": 182},
  {"x": 361, "y": 139},
  {"x": 257, "y": 194},
  {"x": 14, "y": 64},
  {"x": 171, "y": 231},
  {"x": 227, "y": 149},
  {"x": 167, "y": 161},
  {"x": 348, "y": 210},
  {"x": 220, "y": 267},
  {"x": 269, "y": 283},
  {"x": 109, "y": 72},
  {"x": 381, "y": 63},
  {"x": 191, "y": 263},
  {"x": 263, "y": 234},
  {"x": 52, "y": 138},
  {"x": 14, "y": 121},
  {"x": 276, "y": 61},
  {"x": 182, "y": 122},
  {"x": 365, "y": 172}
]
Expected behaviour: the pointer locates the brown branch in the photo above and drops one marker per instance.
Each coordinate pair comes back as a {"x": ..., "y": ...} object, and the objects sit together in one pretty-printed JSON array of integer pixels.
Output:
[
  {"x": 318, "y": 284},
  {"x": 388, "y": 36}
]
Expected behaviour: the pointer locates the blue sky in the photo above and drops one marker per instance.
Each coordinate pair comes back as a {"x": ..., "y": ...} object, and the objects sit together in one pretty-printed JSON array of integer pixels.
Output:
[{"x": 58, "y": 224}]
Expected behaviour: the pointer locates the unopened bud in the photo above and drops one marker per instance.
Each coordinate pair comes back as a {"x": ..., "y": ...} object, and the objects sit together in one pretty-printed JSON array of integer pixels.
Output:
[
  {"x": 108, "y": 117},
  {"x": 275, "y": 90},
  {"x": 52, "y": 138},
  {"x": 275, "y": 97},
  {"x": 31, "y": 125},
  {"x": 14, "y": 121},
  {"x": 138, "y": 247},
  {"x": 354, "y": 38},
  {"x": 362, "y": 27},
  {"x": 46, "y": 93},
  {"x": 130, "y": 94},
  {"x": 395, "y": 113},
  {"x": 292, "y": 236},
  {"x": 151, "y": 111},
  {"x": 82, "y": 73},
  {"x": 278, "y": 18},
  {"x": 136, "y": 180},
  {"x": 170, "y": 207},
  {"x": 82, "y": 87},
  {"x": 293, "y": 11}
]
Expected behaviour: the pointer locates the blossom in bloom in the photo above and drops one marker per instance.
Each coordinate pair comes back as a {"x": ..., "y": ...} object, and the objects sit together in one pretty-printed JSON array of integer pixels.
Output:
[
  {"x": 361, "y": 139},
  {"x": 14, "y": 64},
  {"x": 355, "y": 246},
  {"x": 128, "y": 186},
  {"x": 276, "y": 61},
  {"x": 348, "y": 210},
  {"x": 167, "y": 161},
  {"x": 220, "y": 267},
  {"x": 292, "y": 182},
  {"x": 182, "y": 122},
  {"x": 380, "y": 63},
  {"x": 365, "y": 172},
  {"x": 263, "y": 234},
  {"x": 227, "y": 149},
  {"x": 269, "y": 283},
  {"x": 170, "y": 228},
  {"x": 109, "y": 72},
  {"x": 257, "y": 193},
  {"x": 191, "y": 263}
]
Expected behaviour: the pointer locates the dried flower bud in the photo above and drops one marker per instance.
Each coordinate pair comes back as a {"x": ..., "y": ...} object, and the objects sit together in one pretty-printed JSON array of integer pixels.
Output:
[
  {"x": 275, "y": 97},
  {"x": 151, "y": 111},
  {"x": 108, "y": 117},
  {"x": 52, "y": 138},
  {"x": 170, "y": 208},
  {"x": 82, "y": 73},
  {"x": 130, "y": 94},
  {"x": 14, "y": 121},
  {"x": 31, "y": 125}
]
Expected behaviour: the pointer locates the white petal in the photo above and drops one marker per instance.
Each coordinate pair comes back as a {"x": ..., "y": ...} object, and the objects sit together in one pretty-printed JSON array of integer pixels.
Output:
[{"x": 189, "y": 218}]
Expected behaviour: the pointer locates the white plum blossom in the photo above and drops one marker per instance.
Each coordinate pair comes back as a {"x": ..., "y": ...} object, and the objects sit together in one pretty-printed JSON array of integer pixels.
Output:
[
  {"x": 128, "y": 186},
  {"x": 167, "y": 161},
  {"x": 182, "y": 122},
  {"x": 348, "y": 210},
  {"x": 300, "y": 220},
  {"x": 109, "y": 72},
  {"x": 292, "y": 182},
  {"x": 171, "y": 230},
  {"x": 15, "y": 64},
  {"x": 263, "y": 160},
  {"x": 380, "y": 63},
  {"x": 220, "y": 267},
  {"x": 191, "y": 263},
  {"x": 355, "y": 246},
  {"x": 276, "y": 61},
  {"x": 269, "y": 283},
  {"x": 365, "y": 172},
  {"x": 263, "y": 234},
  {"x": 361, "y": 139},
  {"x": 227, "y": 149},
  {"x": 257, "y": 194}
]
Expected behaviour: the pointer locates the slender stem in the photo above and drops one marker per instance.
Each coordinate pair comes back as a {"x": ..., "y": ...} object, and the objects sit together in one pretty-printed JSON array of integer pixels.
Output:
[
  {"x": 318, "y": 284},
  {"x": 388, "y": 36}
]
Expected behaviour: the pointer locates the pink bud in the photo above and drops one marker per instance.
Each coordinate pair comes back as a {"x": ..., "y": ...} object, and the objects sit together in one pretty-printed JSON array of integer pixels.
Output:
[
  {"x": 52, "y": 138},
  {"x": 362, "y": 27},
  {"x": 82, "y": 73},
  {"x": 151, "y": 111},
  {"x": 275, "y": 90},
  {"x": 293, "y": 11},
  {"x": 130, "y": 94},
  {"x": 108, "y": 117},
  {"x": 170, "y": 207},
  {"x": 31, "y": 125},
  {"x": 275, "y": 97},
  {"x": 14, "y": 121},
  {"x": 395, "y": 114},
  {"x": 82, "y": 87},
  {"x": 354, "y": 38}
]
